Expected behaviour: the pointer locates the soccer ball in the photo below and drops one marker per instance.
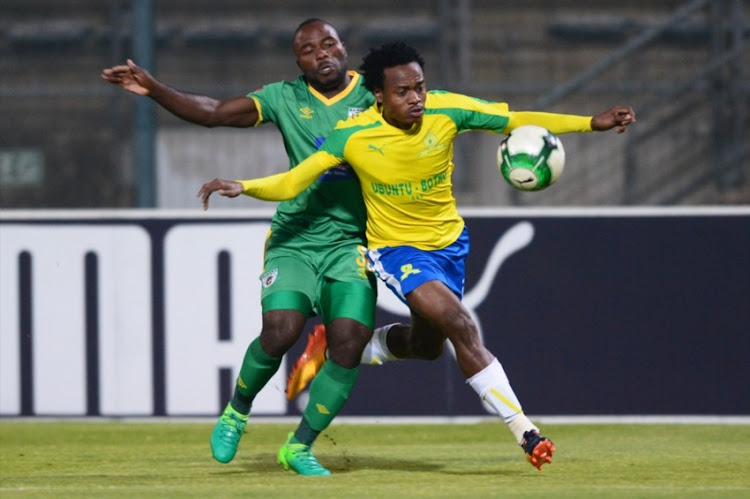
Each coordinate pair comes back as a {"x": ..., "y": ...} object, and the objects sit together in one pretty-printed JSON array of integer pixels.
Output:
[{"x": 531, "y": 158}]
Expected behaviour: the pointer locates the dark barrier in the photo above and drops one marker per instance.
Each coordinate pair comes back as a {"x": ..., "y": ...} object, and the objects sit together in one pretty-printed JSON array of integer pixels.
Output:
[
  {"x": 598, "y": 315},
  {"x": 590, "y": 312}
]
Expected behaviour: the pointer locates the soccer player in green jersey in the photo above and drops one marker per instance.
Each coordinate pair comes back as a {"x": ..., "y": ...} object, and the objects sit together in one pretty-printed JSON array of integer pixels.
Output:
[
  {"x": 418, "y": 242},
  {"x": 315, "y": 252}
]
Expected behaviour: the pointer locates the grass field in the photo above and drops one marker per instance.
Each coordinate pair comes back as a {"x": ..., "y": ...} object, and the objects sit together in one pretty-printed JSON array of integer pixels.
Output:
[{"x": 105, "y": 459}]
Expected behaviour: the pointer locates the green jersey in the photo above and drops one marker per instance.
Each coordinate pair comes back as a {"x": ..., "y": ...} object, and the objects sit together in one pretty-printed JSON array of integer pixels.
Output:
[{"x": 332, "y": 208}]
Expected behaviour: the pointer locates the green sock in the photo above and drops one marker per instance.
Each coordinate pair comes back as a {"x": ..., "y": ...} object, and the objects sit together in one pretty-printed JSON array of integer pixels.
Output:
[
  {"x": 328, "y": 392},
  {"x": 304, "y": 434},
  {"x": 257, "y": 368}
]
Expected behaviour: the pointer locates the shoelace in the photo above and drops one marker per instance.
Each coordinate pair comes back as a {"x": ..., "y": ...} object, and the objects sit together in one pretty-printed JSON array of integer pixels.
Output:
[
  {"x": 305, "y": 454},
  {"x": 233, "y": 425}
]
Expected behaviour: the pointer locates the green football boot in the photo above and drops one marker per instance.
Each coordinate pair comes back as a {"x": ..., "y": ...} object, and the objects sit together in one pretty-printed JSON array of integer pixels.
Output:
[
  {"x": 227, "y": 433},
  {"x": 300, "y": 459}
]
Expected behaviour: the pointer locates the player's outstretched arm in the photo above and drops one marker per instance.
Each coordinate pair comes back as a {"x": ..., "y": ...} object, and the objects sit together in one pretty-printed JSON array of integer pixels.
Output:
[
  {"x": 228, "y": 188},
  {"x": 198, "y": 109},
  {"x": 619, "y": 117},
  {"x": 130, "y": 77},
  {"x": 278, "y": 187}
]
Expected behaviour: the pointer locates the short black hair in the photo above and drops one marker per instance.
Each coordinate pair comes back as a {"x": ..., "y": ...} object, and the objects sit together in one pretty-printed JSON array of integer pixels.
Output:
[
  {"x": 312, "y": 20},
  {"x": 387, "y": 56}
]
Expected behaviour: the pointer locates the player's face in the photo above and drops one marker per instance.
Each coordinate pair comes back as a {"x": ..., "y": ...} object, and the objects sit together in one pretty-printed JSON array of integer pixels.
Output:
[
  {"x": 321, "y": 56},
  {"x": 402, "y": 95}
]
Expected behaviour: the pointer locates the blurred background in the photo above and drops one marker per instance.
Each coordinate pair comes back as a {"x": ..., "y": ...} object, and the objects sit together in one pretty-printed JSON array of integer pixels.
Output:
[{"x": 68, "y": 139}]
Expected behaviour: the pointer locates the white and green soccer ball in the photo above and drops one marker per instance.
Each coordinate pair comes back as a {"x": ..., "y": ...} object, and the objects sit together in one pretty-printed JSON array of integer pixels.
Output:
[{"x": 531, "y": 158}]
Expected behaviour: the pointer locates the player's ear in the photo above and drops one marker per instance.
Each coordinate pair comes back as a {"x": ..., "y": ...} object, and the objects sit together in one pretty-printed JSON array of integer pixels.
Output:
[{"x": 378, "y": 93}]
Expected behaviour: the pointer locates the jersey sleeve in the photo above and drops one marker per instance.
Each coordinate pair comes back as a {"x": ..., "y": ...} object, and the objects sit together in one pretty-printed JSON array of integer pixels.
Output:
[
  {"x": 555, "y": 123},
  {"x": 288, "y": 185},
  {"x": 265, "y": 99},
  {"x": 469, "y": 113}
]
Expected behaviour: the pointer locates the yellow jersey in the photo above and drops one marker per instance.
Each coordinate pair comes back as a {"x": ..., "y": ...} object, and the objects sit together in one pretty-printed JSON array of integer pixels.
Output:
[{"x": 405, "y": 175}]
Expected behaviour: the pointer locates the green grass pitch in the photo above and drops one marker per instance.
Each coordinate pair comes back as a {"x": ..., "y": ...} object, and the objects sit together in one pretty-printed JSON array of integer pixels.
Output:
[{"x": 112, "y": 459}]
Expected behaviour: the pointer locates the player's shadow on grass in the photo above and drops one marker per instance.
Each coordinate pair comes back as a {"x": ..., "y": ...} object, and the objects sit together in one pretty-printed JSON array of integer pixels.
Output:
[{"x": 264, "y": 463}]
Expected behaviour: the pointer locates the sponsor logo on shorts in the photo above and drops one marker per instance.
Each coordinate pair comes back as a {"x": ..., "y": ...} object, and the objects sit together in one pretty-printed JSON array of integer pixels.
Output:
[
  {"x": 269, "y": 277},
  {"x": 408, "y": 270}
]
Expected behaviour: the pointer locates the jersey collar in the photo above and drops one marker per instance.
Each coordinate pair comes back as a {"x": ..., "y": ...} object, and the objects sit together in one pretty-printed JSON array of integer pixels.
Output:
[
  {"x": 341, "y": 95},
  {"x": 415, "y": 128}
]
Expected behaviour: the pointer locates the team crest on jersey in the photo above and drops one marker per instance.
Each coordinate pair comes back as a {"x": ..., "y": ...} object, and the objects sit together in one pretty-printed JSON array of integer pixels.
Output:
[
  {"x": 354, "y": 111},
  {"x": 269, "y": 278},
  {"x": 431, "y": 145},
  {"x": 306, "y": 113}
]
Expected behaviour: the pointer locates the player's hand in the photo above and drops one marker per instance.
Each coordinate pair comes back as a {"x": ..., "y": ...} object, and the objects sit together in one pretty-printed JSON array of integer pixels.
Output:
[
  {"x": 130, "y": 77},
  {"x": 618, "y": 117},
  {"x": 228, "y": 188}
]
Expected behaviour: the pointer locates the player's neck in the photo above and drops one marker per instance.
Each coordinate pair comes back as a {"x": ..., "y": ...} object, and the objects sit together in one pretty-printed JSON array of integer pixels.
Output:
[{"x": 333, "y": 91}]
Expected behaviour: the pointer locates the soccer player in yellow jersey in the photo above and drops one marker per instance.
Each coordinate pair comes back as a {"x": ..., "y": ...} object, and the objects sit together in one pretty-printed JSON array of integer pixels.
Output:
[{"x": 401, "y": 149}]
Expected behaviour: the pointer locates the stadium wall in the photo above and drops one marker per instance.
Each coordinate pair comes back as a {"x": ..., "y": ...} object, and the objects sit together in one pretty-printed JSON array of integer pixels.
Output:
[{"x": 591, "y": 311}]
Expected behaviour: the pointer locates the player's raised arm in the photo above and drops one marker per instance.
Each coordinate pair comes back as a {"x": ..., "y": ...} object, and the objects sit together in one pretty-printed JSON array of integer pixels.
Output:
[
  {"x": 198, "y": 109},
  {"x": 555, "y": 123},
  {"x": 617, "y": 116}
]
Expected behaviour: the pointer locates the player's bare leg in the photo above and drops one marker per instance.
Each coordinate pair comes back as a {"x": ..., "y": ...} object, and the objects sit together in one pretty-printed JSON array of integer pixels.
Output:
[{"x": 443, "y": 310}]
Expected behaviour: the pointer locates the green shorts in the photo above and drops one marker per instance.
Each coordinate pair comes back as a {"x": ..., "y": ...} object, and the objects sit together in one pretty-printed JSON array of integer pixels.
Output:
[{"x": 328, "y": 280}]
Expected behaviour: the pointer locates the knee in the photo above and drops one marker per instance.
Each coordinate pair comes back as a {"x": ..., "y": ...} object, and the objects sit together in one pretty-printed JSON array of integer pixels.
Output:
[
  {"x": 424, "y": 341},
  {"x": 276, "y": 342},
  {"x": 346, "y": 341},
  {"x": 347, "y": 352},
  {"x": 461, "y": 329},
  {"x": 431, "y": 349},
  {"x": 279, "y": 333}
]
